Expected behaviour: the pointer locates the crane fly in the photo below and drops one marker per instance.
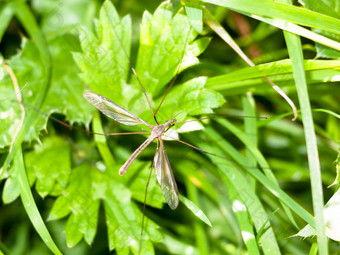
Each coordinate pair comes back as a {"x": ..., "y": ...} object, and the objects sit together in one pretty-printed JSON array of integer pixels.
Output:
[{"x": 161, "y": 162}]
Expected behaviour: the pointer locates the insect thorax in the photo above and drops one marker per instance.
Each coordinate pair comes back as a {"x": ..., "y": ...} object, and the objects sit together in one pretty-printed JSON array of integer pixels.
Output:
[{"x": 158, "y": 130}]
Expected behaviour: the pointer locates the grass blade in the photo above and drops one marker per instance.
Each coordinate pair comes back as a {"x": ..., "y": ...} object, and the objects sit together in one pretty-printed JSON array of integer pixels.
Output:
[
  {"x": 268, "y": 8},
  {"x": 296, "y": 55},
  {"x": 6, "y": 15},
  {"x": 29, "y": 203}
]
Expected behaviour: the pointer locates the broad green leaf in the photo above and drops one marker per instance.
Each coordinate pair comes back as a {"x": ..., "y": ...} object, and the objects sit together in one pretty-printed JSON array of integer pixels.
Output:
[
  {"x": 48, "y": 166},
  {"x": 195, "y": 15},
  {"x": 11, "y": 189},
  {"x": 123, "y": 227},
  {"x": 191, "y": 98},
  {"x": 167, "y": 43},
  {"x": 78, "y": 199},
  {"x": 62, "y": 16},
  {"x": 64, "y": 95},
  {"x": 103, "y": 61},
  {"x": 81, "y": 199},
  {"x": 164, "y": 45},
  {"x": 28, "y": 69},
  {"x": 66, "y": 88}
]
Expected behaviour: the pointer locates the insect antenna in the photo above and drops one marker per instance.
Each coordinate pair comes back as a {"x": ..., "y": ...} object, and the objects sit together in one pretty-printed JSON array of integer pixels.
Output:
[
  {"x": 221, "y": 116},
  {"x": 173, "y": 109},
  {"x": 196, "y": 148},
  {"x": 207, "y": 152},
  {"x": 134, "y": 72}
]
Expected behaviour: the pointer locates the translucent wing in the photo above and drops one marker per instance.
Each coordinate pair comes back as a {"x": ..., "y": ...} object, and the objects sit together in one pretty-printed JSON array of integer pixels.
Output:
[
  {"x": 165, "y": 177},
  {"x": 112, "y": 110},
  {"x": 170, "y": 135}
]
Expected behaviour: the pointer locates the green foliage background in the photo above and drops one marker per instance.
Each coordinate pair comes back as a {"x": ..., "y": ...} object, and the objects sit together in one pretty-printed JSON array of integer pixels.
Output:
[{"x": 265, "y": 187}]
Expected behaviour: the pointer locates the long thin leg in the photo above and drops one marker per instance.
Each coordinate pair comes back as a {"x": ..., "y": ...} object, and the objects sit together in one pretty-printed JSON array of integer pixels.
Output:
[
  {"x": 126, "y": 133},
  {"x": 196, "y": 148},
  {"x": 144, "y": 205},
  {"x": 87, "y": 132},
  {"x": 207, "y": 152},
  {"x": 134, "y": 155}
]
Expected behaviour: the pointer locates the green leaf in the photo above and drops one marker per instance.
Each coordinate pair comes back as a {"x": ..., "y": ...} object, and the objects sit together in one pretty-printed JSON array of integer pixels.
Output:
[
  {"x": 294, "y": 47},
  {"x": 50, "y": 172},
  {"x": 195, "y": 210},
  {"x": 137, "y": 179},
  {"x": 29, "y": 203},
  {"x": 62, "y": 16},
  {"x": 11, "y": 189},
  {"x": 28, "y": 69},
  {"x": 280, "y": 72},
  {"x": 330, "y": 8},
  {"x": 66, "y": 88},
  {"x": 195, "y": 15},
  {"x": 78, "y": 198},
  {"x": 104, "y": 58},
  {"x": 81, "y": 199},
  {"x": 28, "y": 21},
  {"x": 50, "y": 164},
  {"x": 64, "y": 95},
  {"x": 234, "y": 176},
  {"x": 282, "y": 11},
  {"x": 167, "y": 43},
  {"x": 6, "y": 15},
  {"x": 191, "y": 98}
]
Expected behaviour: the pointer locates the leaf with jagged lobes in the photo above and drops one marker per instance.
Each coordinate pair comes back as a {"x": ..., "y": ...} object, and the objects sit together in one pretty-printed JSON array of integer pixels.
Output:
[
  {"x": 167, "y": 44},
  {"x": 191, "y": 98},
  {"x": 49, "y": 173},
  {"x": 64, "y": 94},
  {"x": 104, "y": 59},
  {"x": 87, "y": 188}
]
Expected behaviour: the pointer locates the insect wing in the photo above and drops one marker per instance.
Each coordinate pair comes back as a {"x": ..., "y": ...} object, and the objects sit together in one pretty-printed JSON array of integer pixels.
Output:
[
  {"x": 170, "y": 135},
  {"x": 165, "y": 177},
  {"x": 113, "y": 110}
]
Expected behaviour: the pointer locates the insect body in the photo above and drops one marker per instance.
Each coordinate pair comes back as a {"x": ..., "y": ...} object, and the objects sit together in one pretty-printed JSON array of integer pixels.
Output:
[{"x": 161, "y": 162}]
